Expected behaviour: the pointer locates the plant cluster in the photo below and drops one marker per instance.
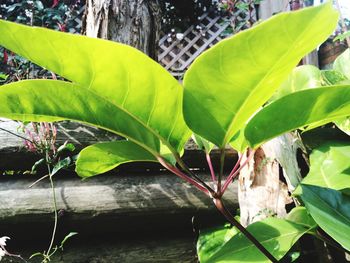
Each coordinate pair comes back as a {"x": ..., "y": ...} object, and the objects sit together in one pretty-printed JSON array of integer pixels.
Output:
[{"x": 224, "y": 101}]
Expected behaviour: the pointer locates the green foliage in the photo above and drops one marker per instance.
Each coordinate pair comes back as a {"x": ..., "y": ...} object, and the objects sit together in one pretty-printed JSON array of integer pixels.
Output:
[
  {"x": 211, "y": 241},
  {"x": 324, "y": 105},
  {"x": 102, "y": 157},
  {"x": 117, "y": 88},
  {"x": 331, "y": 211},
  {"x": 231, "y": 81},
  {"x": 226, "y": 245},
  {"x": 330, "y": 166}
]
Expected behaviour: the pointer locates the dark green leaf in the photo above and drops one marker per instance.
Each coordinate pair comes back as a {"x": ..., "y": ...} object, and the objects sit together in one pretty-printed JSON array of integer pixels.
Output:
[{"x": 331, "y": 211}]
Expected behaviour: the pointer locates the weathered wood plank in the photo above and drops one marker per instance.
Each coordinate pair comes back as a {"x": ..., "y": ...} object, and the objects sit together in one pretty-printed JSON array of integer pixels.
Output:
[
  {"x": 103, "y": 249},
  {"x": 14, "y": 156},
  {"x": 117, "y": 202}
]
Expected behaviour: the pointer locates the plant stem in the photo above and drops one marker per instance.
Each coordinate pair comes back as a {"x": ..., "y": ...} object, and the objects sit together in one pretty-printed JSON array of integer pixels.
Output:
[
  {"x": 176, "y": 171},
  {"x": 212, "y": 173},
  {"x": 194, "y": 176},
  {"x": 220, "y": 206},
  {"x": 234, "y": 172},
  {"x": 55, "y": 208},
  {"x": 14, "y": 134},
  {"x": 221, "y": 172}
]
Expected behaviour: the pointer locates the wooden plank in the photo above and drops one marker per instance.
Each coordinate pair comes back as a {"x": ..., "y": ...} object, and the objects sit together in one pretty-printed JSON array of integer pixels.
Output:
[
  {"x": 116, "y": 201},
  {"x": 169, "y": 247}
]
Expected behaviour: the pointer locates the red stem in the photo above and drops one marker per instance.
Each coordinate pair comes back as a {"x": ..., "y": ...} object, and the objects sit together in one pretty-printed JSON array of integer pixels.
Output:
[
  {"x": 176, "y": 171},
  {"x": 234, "y": 172},
  {"x": 213, "y": 177}
]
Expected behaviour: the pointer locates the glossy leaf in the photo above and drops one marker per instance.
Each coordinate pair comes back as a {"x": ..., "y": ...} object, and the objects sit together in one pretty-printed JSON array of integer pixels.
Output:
[
  {"x": 239, "y": 142},
  {"x": 229, "y": 82},
  {"x": 102, "y": 157},
  {"x": 296, "y": 110},
  {"x": 331, "y": 211},
  {"x": 120, "y": 74},
  {"x": 301, "y": 216},
  {"x": 342, "y": 63},
  {"x": 276, "y": 235},
  {"x": 330, "y": 166},
  {"x": 303, "y": 77},
  {"x": 343, "y": 124},
  {"x": 52, "y": 100},
  {"x": 211, "y": 240}
]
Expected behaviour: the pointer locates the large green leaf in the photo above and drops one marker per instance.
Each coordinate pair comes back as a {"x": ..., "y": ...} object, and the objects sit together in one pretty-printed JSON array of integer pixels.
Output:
[
  {"x": 342, "y": 63},
  {"x": 120, "y": 74},
  {"x": 229, "y": 82},
  {"x": 211, "y": 240},
  {"x": 276, "y": 235},
  {"x": 52, "y": 100},
  {"x": 302, "y": 108},
  {"x": 331, "y": 211},
  {"x": 330, "y": 166},
  {"x": 102, "y": 157},
  {"x": 303, "y": 77}
]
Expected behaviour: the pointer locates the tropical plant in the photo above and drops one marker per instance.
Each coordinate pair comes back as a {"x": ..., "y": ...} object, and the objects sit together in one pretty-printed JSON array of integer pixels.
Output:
[{"x": 119, "y": 89}]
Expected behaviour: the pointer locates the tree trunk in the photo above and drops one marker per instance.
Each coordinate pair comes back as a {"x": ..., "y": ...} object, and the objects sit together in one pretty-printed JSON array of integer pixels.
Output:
[{"x": 132, "y": 22}]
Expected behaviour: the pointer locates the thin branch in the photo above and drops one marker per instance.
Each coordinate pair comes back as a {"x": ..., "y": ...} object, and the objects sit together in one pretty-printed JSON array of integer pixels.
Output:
[
  {"x": 212, "y": 173},
  {"x": 37, "y": 181},
  {"x": 193, "y": 175},
  {"x": 54, "y": 201},
  {"x": 235, "y": 173},
  {"x": 221, "y": 172},
  {"x": 176, "y": 171},
  {"x": 14, "y": 134}
]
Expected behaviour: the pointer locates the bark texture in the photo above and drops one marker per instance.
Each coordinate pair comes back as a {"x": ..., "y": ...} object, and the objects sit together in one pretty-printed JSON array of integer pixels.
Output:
[{"x": 133, "y": 22}]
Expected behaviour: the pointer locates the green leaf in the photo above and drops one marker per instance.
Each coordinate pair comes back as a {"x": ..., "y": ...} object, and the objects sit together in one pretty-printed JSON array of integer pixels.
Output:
[
  {"x": 342, "y": 63},
  {"x": 211, "y": 240},
  {"x": 71, "y": 234},
  {"x": 66, "y": 147},
  {"x": 332, "y": 77},
  {"x": 303, "y": 77},
  {"x": 102, "y": 157},
  {"x": 276, "y": 235},
  {"x": 202, "y": 143},
  {"x": 343, "y": 124},
  {"x": 37, "y": 164},
  {"x": 301, "y": 216},
  {"x": 330, "y": 166},
  {"x": 47, "y": 100},
  {"x": 64, "y": 163},
  {"x": 120, "y": 74},
  {"x": 228, "y": 83},
  {"x": 331, "y": 211},
  {"x": 239, "y": 142},
  {"x": 291, "y": 112}
]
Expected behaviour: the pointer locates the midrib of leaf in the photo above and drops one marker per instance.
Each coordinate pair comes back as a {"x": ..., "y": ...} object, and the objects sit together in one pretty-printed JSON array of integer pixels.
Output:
[{"x": 226, "y": 140}]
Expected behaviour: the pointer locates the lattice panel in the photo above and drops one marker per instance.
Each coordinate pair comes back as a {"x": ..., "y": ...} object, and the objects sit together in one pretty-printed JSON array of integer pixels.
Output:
[{"x": 176, "y": 54}]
